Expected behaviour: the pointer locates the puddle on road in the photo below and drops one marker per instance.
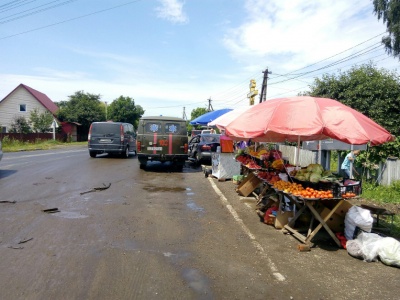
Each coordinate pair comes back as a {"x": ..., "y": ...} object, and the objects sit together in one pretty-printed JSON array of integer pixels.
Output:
[
  {"x": 156, "y": 189},
  {"x": 190, "y": 203},
  {"x": 193, "y": 206},
  {"x": 70, "y": 215},
  {"x": 198, "y": 282}
]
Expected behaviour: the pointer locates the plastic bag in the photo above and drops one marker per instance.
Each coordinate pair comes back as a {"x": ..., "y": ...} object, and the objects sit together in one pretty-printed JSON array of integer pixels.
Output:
[
  {"x": 357, "y": 217},
  {"x": 370, "y": 245},
  {"x": 353, "y": 248},
  {"x": 389, "y": 252}
]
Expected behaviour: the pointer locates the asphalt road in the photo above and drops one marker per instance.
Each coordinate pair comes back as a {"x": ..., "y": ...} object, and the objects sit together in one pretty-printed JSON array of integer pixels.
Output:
[{"x": 155, "y": 234}]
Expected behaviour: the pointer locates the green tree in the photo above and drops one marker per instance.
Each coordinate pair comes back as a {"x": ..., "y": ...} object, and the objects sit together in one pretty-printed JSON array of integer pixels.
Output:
[
  {"x": 197, "y": 112},
  {"x": 123, "y": 109},
  {"x": 371, "y": 91},
  {"x": 376, "y": 94},
  {"x": 40, "y": 122},
  {"x": 20, "y": 125},
  {"x": 83, "y": 108},
  {"x": 389, "y": 12}
]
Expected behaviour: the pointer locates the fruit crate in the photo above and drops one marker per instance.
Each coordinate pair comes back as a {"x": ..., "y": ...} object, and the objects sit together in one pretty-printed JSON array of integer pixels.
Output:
[
  {"x": 342, "y": 187},
  {"x": 351, "y": 186}
]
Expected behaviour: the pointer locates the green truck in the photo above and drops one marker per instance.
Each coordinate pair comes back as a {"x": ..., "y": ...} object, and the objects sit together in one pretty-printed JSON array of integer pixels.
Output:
[{"x": 162, "y": 139}]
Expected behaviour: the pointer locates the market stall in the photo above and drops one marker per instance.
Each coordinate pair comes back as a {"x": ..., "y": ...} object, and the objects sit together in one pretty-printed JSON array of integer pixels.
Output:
[
  {"x": 298, "y": 119},
  {"x": 324, "y": 197}
]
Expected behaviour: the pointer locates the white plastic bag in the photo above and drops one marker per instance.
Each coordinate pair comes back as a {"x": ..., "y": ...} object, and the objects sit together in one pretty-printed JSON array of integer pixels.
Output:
[
  {"x": 370, "y": 245},
  {"x": 389, "y": 251},
  {"x": 357, "y": 217},
  {"x": 353, "y": 248}
]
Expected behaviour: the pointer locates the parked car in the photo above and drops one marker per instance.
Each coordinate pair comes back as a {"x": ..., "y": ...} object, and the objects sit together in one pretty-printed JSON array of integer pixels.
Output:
[
  {"x": 195, "y": 132},
  {"x": 162, "y": 139},
  {"x": 202, "y": 145},
  {"x": 112, "y": 138},
  {"x": 1, "y": 151}
]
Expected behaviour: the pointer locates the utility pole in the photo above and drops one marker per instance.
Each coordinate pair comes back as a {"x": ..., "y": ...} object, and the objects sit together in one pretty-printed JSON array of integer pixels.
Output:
[
  {"x": 184, "y": 114},
  {"x": 263, "y": 95},
  {"x": 210, "y": 108}
]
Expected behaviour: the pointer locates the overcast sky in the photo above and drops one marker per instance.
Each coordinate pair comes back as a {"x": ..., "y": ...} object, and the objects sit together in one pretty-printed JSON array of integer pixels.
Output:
[{"x": 171, "y": 56}]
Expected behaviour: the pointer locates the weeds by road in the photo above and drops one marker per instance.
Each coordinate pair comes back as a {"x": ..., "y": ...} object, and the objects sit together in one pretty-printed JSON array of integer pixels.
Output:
[{"x": 11, "y": 145}]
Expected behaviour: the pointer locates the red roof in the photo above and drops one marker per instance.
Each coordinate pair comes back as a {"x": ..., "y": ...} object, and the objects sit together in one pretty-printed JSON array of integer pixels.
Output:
[{"x": 42, "y": 98}]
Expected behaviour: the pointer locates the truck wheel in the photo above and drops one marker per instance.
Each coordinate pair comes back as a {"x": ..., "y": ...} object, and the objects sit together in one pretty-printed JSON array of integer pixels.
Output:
[{"x": 92, "y": 154}]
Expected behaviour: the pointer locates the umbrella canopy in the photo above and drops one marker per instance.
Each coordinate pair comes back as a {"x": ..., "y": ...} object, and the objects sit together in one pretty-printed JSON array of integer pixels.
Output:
[
  {"x": 210, "y": 116},
  {"x": 225, "y": 119},
  {"x": 306, "y": 119}
]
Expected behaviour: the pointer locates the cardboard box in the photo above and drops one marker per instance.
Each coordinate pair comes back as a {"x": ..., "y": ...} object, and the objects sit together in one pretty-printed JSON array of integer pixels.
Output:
[
  {"x": 282, "y": 218},
  {"x": 335, "y": 222},
  {"x": 248, "y": 185}
]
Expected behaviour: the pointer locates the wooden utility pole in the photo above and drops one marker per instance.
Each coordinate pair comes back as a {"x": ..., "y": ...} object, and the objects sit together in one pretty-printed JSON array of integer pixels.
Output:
[
  {"x": 263, "y": 95},
  {"x": 184, "y": 114},
  {"x": 210, "y": 108}
]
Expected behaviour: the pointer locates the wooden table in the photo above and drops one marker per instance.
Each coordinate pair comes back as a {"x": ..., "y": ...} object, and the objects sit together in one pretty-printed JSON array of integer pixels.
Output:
[{"x": 309, "y": 205}]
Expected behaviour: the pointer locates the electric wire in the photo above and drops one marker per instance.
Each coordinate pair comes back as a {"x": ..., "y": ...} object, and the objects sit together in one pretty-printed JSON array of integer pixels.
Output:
[
  {"x": 9, "y": 19},
  {"x": 71, "y": 19}
]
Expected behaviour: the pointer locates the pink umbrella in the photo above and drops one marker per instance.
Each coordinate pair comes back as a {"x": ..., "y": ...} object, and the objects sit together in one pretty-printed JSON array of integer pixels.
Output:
[
  {"x": 225, "y": 119},
  {"x": 305, "y": 118}
]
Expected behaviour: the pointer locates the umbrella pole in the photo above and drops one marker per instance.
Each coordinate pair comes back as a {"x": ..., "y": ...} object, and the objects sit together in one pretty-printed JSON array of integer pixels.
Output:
[
  {"x": 351, "y": 162},
  {"x": 297, "y": 153}
]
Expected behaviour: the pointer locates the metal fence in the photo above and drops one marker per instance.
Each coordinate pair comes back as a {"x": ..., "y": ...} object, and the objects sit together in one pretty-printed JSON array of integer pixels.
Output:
[{"x": 389, "y": 171}]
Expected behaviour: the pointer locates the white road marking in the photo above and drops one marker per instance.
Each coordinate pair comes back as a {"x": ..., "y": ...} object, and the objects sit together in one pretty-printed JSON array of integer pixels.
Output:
[{"x": 278, "y": 276}]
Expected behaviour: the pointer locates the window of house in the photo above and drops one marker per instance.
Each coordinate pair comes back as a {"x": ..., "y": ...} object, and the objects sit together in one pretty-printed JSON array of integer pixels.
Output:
[
  {"x": 3, "y": 129},
  {"x": 22, "y": 107}
]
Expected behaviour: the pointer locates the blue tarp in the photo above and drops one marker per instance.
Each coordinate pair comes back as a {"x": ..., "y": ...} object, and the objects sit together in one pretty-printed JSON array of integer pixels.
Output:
[{"x": 209, "y": 117}]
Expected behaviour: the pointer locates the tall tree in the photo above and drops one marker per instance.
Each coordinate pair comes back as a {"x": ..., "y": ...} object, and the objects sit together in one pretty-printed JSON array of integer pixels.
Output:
[
  {"x": 40, "y": 122},
  {"x": 371, "y": 91},
  {"x": 376, "y": 94},
  {"x": 83, "y": 108},
  {"x": 389, "y": 12},
  {"x": 123, "y": 109},
  {"x": 197, "y": 112}
]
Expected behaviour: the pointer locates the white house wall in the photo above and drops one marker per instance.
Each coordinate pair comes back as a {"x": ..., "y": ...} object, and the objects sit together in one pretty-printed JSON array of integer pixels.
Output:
[{"x": 9, "y": 107}]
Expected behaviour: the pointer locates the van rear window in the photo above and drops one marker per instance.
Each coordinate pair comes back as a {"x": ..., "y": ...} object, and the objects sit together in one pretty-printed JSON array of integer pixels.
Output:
[
  {"x": 106, "y": 128},
  {"x": 167, "y": 128},
  {"x": 172, "y": 128},
  {"x": 152, "y": 127}
]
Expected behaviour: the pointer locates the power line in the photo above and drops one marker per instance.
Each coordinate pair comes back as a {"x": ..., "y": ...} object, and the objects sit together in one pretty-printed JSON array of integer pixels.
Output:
[
  {"x": 69, "y": 20},
  {"x": 34, "y": 12}
]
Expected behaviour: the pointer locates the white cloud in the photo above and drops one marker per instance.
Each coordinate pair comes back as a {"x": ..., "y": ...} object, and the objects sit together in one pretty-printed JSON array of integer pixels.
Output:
[
  {"x": 302, "y": 31},
  {"x": 172, "y": 10}
]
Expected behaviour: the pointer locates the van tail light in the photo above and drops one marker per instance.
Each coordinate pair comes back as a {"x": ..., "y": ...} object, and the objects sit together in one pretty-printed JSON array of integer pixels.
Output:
[
  {"x": 122, "y": 134},
  {"x": 185, "y": 148},
  {"x": 138, "y": 146},
  {"x": 205, "y": 148},
  {"x": 90, "y": 133}
]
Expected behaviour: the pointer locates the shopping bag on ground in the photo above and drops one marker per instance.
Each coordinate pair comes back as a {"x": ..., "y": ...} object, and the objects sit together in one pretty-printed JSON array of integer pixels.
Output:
[{"x": 357, "y": 217}]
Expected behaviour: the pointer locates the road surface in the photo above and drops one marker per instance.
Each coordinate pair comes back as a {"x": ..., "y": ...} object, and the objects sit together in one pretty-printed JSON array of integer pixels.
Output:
[{"x": 155, "y": 234}]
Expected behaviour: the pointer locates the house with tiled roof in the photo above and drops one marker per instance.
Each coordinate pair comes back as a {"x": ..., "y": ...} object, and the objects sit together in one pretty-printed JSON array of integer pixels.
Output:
[{"x": 20, "y": 102}]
